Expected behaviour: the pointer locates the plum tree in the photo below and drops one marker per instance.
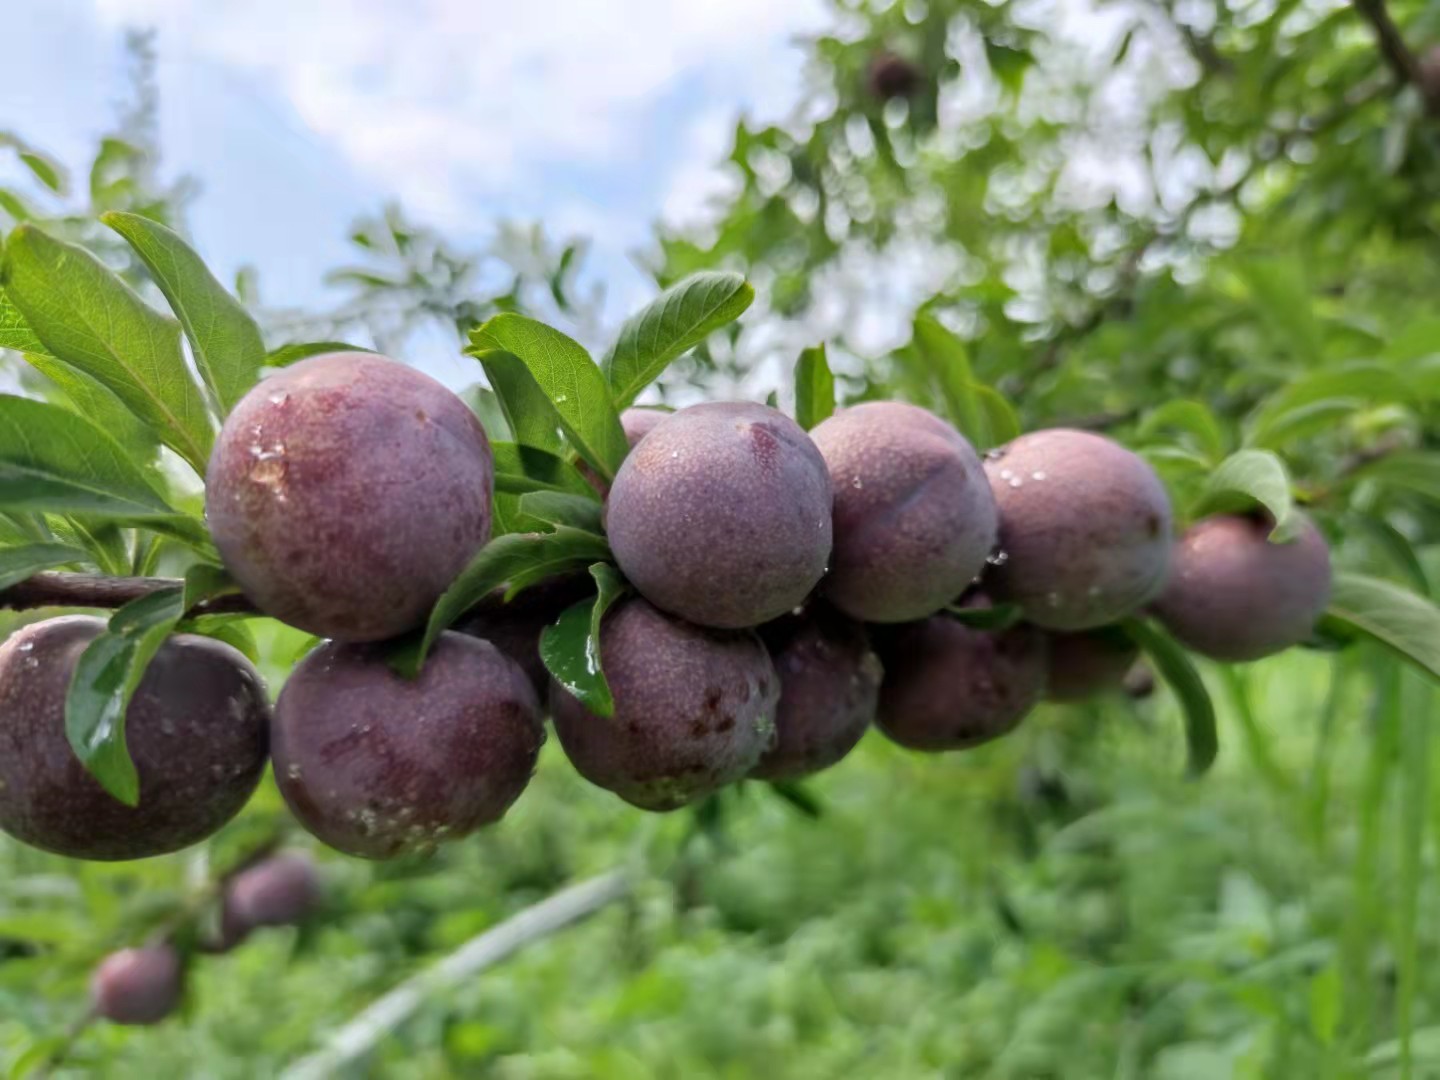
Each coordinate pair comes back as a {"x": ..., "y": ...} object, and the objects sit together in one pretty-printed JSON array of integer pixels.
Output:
[
  {"x": 829, "y": 687},
  {"x": 950, "y": 687},
  {"x": 914, "y": 515},
  {"x": 1084, "y": 529},
  {"x": 279, "y": 891},
  {"x": 722, "y": 515},
  {"x": 694, "y": 709},
  {"x": 377, "y": 765},
  {"x": 346, "y": 493},
  {"x": 1235, "y": 595},
  {"x": 138, "y": 986},
  {"x": 1089, "y": 662},
  {"x": 514, "y": 626},
  {"x": 196, "y": 729}
]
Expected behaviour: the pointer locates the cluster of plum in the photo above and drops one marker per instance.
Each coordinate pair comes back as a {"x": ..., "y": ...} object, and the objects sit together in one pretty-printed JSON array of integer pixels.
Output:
[{"x": 788, "y": 589}]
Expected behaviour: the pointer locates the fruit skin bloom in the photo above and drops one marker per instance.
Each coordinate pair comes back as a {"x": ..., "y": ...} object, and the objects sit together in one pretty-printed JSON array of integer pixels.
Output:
[
  {"x": 1235, "y": 595},
  {"x": 722, "y": 515},
  {"x": 346, "y": 493}
]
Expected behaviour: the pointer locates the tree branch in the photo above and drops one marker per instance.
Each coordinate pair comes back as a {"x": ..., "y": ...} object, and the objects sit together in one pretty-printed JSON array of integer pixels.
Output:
[
  {"x": 1397, "y": 54},
  {"x": 53, "y": 588}
]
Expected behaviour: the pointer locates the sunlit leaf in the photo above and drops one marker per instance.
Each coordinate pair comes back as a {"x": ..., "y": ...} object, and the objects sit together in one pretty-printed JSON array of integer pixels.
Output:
[{"x": 571, "y": 647}]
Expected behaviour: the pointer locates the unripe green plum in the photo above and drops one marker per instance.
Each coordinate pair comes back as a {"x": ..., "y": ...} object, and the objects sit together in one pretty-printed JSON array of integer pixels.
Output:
[
  {"x": 1235, "y": 595},
  {"x": 138, "y": 986},
  {"x": 376, "y": 765},
  {"x": 514, "y": 626},
  {"x": 196, "y": 729},
  {"x": 1089, "y": 662},
  {"x": 345, "y": 493},
  {"x": 950, "y": 687},
  {"x": 829, "y": 687},
  {"x": 694, "y": 709},
  {"x": 1084, "y": 529},
  {"x": 279, "y": 891},
  {"x": 914, "y": 515},
  {"x": 722, "y": 515}
]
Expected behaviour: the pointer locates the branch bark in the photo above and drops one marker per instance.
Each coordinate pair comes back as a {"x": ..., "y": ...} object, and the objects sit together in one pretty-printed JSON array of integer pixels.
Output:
[
  {"x": 1401, "y": 61},
  {"x": 54, "y": 588}
]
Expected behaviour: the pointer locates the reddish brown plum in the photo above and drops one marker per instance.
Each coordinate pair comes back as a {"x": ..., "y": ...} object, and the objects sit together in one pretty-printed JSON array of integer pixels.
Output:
[
  {"x": 138, "y": 986},
  {"x": 1089, "y": 662},
  {"x": 376, "y": 765},
  {"x": 829, "y": 687},
  {"x": 1084, "y": 529},
  {"x": 514, "y": 627},
  {"x": 694, "y": 709},
  {"x": 721, "y": 515},
  {"x": 347, "y": 492},
  {"x": 279, "y": 891},
  {"x": 914, "y": 515},
  {"x": 950, "y": 687},
  {"x": 196, "y": 729},
  {"x": 1235, "y": 595}
]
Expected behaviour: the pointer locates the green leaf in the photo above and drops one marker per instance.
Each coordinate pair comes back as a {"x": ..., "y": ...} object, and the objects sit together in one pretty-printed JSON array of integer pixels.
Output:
[
  {"x": 18, "y": 564},
  {"x": 571, "y": 647},
  {"x": 532, "y": 556},
  {"x": 560, "y": 508},
  {"x": 814, "y": 388},
  {"x": 89, "y": 318},
  {"x": 798, "y": 796},
  {"x": 949, "y": 359},
  {"x": 1174, "y": 666},
  {"x": 15, "y": 332},
  {"x": 1413, "y": 471},
  {"x": 1247, "y": 479},
  {"x": 224, "y": 339},
  {"x": 1281, "y": 290},
  {"x": 999, "y": 414},
  {"x": 569, "y": 378},
  {"x": 286, "y": 355},
  {"x": 1322, "y": 397},
  {"x": 1193, "y": 418},
  {"x": 530, "y": 415},
  {"x": 522, "y": 469},
  {"x": 53, "y": 460},
  {"x": 44, "y": 170},
  {"x": 673, "y": 323},
  {"x": 485, "y": 404},
  {"x": 1398, "y": 547},
  {"x": 996, "y": 617},
  {"x": 1407, "y": 624},
  {"x": 92, "y": 400}
]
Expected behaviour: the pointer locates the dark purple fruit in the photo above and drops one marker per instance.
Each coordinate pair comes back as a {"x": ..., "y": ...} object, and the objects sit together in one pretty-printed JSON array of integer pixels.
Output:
[
  {"x": 829, "y": 686},
  {"x": 694, "y": 709},
  {"x": 515, "y": 627},
  {"x": 948, "y": 687},
  {"x": 347, "y": 492},
  {"x": 279, "y": 891},
  {"x": 891, "y": 76},
  {"x": 1089, "y": 662},
  {"x": 914, "y": 514},
  {"x": 376, "y": 765},
  {"x": 1235, "y": 595},
  {"x": 1084, "y": 529},
  {"x": 196, "y": 730},
  {"x": 721, "y": 515},
  {"x": 138, "y": 986}
]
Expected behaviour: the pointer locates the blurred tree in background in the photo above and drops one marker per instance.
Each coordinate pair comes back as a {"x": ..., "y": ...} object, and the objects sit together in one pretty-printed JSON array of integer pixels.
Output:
[{"x": 1198, "y": 227}]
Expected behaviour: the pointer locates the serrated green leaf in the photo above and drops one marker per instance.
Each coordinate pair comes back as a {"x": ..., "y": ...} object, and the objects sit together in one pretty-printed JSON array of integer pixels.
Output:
[
  {"x": 669, "y": 326},
  {"x": 1403, "y": 622},
  {"x": 88, "y": 317},
  {"x": 1247, "y": 479},
  {"x": 1201, "y": 738},
  {"x": 569, "y": 378},
  {"x": 18, "y": 564},
  {"x": 286, "y": 355},
  {"x": 814, "y": 388},
  {"x": 570, "y": 648},
  {"x": 1191, "y": 417},
  {"x": 54, "y": 460},
  {"x": 501, "y": 561},
  {"x": 561, "y": 508},
  {"x": 523, "y": 469},
  {"x": 224, "y": 339}
]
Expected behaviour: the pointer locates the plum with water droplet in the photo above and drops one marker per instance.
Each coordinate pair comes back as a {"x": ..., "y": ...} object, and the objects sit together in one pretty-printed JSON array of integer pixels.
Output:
[
  {"x": 345, "y": 493},
  {"x": 694, "y": 709},
  {"x": 1234, "y": 594},
  {"x": 196, "y": 729},
  {"x": 722, "y": 515},
  {"x": 1085, "y": 527},
  {"x": 135, "y": 987},
  {"x": 914, "y": 514},
  {"x": 377, "y": 765},
  {"x": 1089, "y": 662}
]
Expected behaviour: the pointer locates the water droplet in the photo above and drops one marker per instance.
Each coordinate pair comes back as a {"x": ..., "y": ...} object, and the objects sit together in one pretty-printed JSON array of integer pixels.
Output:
[
  {"x": 1053, "y": 599},
  {"x": 857, "y": 483},
  {"x": 1038, "y": 474},
  {"x": 560, "y": 399},
  {"x": 674, "y": 453},
  {"x": 25, "y": 646},
  {"x": 167, "y": 726},
  {"x": 998, "y": 558},
  {"x": 995, "y": 453},
  {"x": 1006, "y": 474},
  {"x": 280, "y": 397},
  {"x": 1015, "y": 481},
  {"x": 293, "y": 771}
]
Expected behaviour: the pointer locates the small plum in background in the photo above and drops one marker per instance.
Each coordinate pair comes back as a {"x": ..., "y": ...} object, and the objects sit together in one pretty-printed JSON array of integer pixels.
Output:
[
  {"x": 136, "y": 987},
  {"x": 1089, "y": 662}
]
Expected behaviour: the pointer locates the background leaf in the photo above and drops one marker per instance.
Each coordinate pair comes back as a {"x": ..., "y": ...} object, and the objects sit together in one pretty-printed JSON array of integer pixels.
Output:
[
  {"x": 18, "y": 564},
  {"x": 1407, "y": 624},
  {"x": 1201, "y": 740},
  {"x": 1250, "y": 479},
  {"x": 571, "y": 647},
  {"x": 286, "y": 355},
  {"x": 814, "y": 388},
  {"x": 949, "y": 360}
]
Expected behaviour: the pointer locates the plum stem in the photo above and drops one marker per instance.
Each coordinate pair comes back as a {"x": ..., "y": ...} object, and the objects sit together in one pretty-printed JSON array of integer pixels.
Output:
[{"x": 54, "y": 588}]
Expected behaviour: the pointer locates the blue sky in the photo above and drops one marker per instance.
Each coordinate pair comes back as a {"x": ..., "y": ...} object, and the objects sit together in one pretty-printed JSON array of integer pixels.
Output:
[{"x": 594, "y": 116}]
